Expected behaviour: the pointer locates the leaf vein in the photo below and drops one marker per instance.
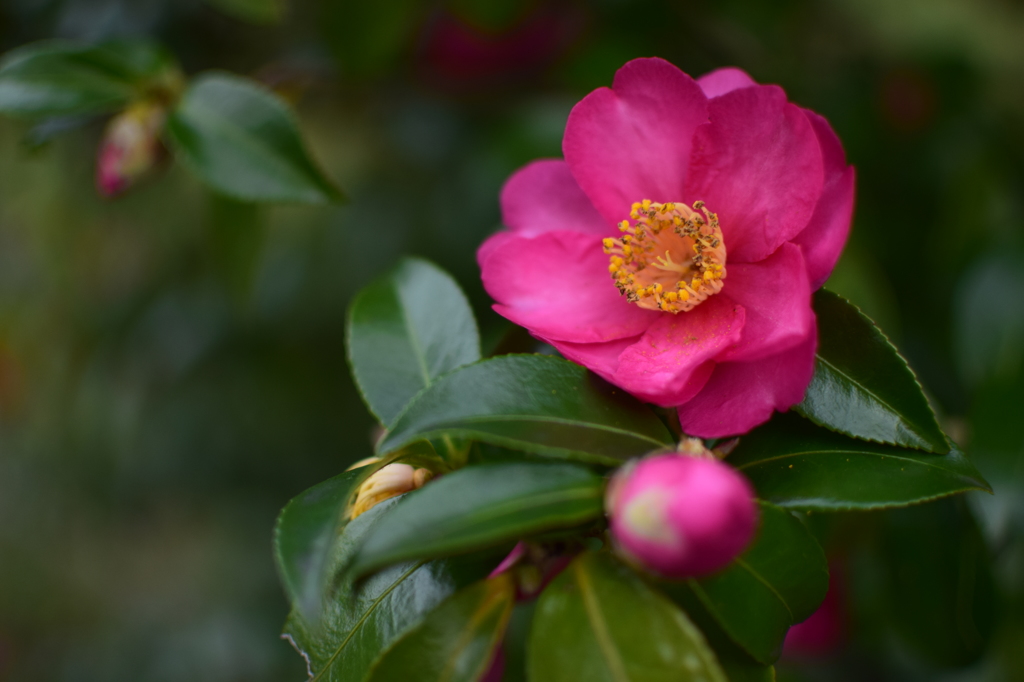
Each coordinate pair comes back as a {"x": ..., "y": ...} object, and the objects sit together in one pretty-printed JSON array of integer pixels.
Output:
[
  {"x": 359, "y": 623},
  {"x": 604, "y": 640}
]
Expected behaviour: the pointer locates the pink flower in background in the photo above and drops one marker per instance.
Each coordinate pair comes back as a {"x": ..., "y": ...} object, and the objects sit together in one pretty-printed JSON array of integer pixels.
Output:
[
  {"x": 457, "y": 53},
  {"x": 680, "y": 515},
  {"x": 825, "y": 632},
  {"x": 675, "y": 249}
]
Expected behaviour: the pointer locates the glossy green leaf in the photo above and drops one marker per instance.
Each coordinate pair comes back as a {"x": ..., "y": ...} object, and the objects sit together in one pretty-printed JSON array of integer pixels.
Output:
[
  {"x": 535, "y": 403},
  {"x": 404, "y": 331},
  {"x": 360, "y": 622},
  {"x": 62, "y": 79},
  {"x": 798, "y": 465},
  {"x": 598, "y": 621},
  {"x": 778, "y": 582},
  {"x": 482, "y": 506},
  {"x": 737, "y": 664},
  {"x": 255, "y": 11},
  {"x": 243, "y": 141},
  {"x": 306, "y": 535},
  {"x": 456, "y": 641},
  {"x": 309, "y": 527},
  {"x": 862, "y": 386}
]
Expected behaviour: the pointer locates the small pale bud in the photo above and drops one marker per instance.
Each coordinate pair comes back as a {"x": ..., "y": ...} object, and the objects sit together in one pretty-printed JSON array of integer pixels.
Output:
[
  {"x": 130, "y": 147},
  {"x": 694, "y": 447},
  {"x": 679, "y": 515},
  {"x": 387, "y": 482},
  {"x": 421, "y": 477}
]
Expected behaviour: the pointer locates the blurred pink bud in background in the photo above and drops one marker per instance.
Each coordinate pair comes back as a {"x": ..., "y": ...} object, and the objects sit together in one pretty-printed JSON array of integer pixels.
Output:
[{"x": 130, "y": 148}]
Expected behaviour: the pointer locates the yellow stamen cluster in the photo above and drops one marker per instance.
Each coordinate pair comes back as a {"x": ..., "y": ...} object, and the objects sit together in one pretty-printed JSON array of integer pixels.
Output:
[{"x": 670, "y": 257}]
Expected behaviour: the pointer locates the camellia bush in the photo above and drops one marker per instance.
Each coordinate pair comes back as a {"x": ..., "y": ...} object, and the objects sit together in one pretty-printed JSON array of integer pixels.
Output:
[
  {"x": 634, "y": 509},
  {"x": 637, "y": 501}
]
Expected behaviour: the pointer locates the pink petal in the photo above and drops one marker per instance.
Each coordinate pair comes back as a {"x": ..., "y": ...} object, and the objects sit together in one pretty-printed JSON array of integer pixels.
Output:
[
  {"x": 776, "y": 295},
  {"x": 557, "y": 286},
  {"x": 671, "y": 362},
  {"x": 493, "y": 243},
  {"x": 721, "y": 81},
  {"x": 517, "y": 553},
  {"x": 600, "y": 358},
  {"x": 825, "y": 235},
  {"x": 633, "y": 141},
  {"x": 543, "y": 196},
  {"x": 758, "y": 165},
  {"x": 742, "y": 395}
]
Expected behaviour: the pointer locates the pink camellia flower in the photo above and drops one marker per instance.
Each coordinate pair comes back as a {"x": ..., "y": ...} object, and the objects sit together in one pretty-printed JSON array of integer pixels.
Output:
[
  {"x": 680, "y": 515},
  {"x": 675, "y": 249}
]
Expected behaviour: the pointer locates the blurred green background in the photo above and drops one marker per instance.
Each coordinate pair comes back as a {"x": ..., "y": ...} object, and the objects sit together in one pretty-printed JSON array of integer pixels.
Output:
[{"x": 172, "y": 365}]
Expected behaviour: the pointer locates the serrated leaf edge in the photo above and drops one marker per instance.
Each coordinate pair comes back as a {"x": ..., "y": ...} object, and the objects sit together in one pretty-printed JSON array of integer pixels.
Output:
[{"x": 913, "y": 375}]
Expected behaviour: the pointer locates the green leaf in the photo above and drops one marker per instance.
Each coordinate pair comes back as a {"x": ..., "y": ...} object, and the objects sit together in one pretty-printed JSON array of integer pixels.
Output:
[
  {"x": 360, "y": 622},
  {"x": 243, "y": 141},
  {"x": 455, "y": 642},
  {"x": 404, "y": 331},
  {"x": 862, "y": 386},
  {"x": 62, "y": 79},
  {"x": 255, "y": 11},
  {"x": 309, "y": 527},
  {"x": 534, "y": 403},
  {"x": 305, "y": 538},
  {"x": 735, "y": 662},
  {"x": 778, "y": 582},
  {"x": 482, "y": 506},
  {"x": 798, "y": 465},
  {"x": 598, "y": 621}
]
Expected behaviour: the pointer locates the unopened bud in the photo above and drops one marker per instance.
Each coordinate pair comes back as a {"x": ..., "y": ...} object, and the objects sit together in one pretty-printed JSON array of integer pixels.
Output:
[
  {"x": 387, "y": 482},
  {"x": 131, "y": 147},
  {"x": 678, "y": 515}
]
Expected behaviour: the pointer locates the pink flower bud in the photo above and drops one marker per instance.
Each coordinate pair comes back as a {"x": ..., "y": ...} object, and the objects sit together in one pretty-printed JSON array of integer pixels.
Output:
[
  {"x": 680, "y": 516},
  {"x": 130, "y": 147}
]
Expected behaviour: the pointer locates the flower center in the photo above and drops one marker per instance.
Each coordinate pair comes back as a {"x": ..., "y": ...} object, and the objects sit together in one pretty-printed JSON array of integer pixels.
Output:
[{"x": 670, "y": 258}]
